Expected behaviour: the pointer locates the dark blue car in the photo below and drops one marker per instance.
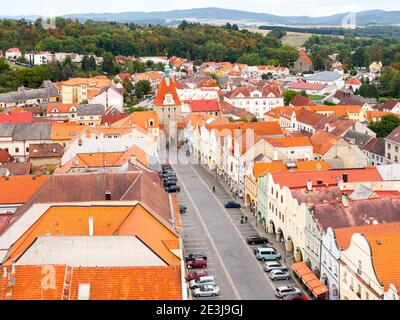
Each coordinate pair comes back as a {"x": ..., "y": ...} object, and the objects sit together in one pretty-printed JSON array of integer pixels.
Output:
[{"x": 232, "y": 205}]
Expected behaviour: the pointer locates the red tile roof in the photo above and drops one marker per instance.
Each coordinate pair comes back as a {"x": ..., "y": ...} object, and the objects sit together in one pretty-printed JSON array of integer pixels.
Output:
[
  {"x": 299, "y": 179},
  {"x": 204, "y": 105},
  {"x": 299, "y": 100},
  {"x": 22, "y": 117}
]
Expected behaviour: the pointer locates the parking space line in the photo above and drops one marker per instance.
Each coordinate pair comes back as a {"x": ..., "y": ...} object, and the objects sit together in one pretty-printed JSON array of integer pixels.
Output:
[
  {"x": 235, "y": 227},
  {"x": 230, "y": 280}
]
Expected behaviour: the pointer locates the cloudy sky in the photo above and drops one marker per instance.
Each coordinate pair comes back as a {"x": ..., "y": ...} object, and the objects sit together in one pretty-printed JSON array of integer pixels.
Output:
[{"x": 278, "y": 7}]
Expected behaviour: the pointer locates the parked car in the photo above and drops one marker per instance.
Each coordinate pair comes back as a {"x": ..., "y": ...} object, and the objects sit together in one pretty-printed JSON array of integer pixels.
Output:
[
  {"x": 195, "y": 255},
  {"x": 197, "y": 274},
  {"x": 267, "y": 254},
  {"x": 167, "y": 175},
  {"x": 299, "y": 296},
  {"x": 168, "y": 183},
  {"x": 279, "y": 275},
  {"x": 173, "y": 188},
  {"x": 262, "y": 246},
  {"x": 182, "y": 209},
  {"x": 202, "y": 281},
  {"x": 232, "y": 205},
  {"x": 206, "y": 291},
  {"x": 284, "y": 291},
  {"x": 269, "y": 266},
  {"x": 170, "y": 178},
  {"x": 197, "y": 263},
  {"x": 256, "y": 240}
]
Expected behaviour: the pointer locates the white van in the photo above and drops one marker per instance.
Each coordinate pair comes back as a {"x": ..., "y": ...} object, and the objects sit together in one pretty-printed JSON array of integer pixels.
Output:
[
  {"x": 267, "y": 254},
  {"x": 202, "y": 281}
]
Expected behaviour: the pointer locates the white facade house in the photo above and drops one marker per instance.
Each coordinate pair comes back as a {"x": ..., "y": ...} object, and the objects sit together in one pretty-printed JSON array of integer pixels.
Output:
[
  {"x": 16, "y": 138},
  {"x": 330, "y": 254},
  {"x": 13, "y": 54},
  {"x": 97, "y": 140},
  {"x": 39, "y": 58},
  {"x": 256, "y": 100},
  {"x": 110, "y": 97}
]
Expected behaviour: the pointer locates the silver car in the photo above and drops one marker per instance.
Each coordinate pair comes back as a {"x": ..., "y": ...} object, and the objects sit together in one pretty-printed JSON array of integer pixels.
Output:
[
  {"x": 274, "y": 265},
  {"x": 286, "y": 291},
  {"x": 279, "y": 275},
  {"x": 202, "y": 281},
  {"x": 206, "y": 291}
]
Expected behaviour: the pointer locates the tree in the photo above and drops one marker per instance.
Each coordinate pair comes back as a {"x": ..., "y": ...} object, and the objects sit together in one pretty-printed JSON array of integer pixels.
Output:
[
  {"x": 385, "y": 126},
  {"x": 68, "y": 72},
  {"x": 288, "y": 95},
  {"x": 108, "y": 65},
  {"x": 85, "y": 64},
  {"x": 92, "y": 63},
  {"x": 142, "y": 88},
  {"x": 4, "y": 66}
]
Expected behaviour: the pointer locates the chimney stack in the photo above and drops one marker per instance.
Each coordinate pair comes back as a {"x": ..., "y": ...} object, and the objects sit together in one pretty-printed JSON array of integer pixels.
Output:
[
  {"x": 90, "y": 221},
  {"x": 108, "y": 195},
  {"x": 309, "y": 185},
  {"x": 133, "y": 160},
  {"x": 345, "y": 200}
]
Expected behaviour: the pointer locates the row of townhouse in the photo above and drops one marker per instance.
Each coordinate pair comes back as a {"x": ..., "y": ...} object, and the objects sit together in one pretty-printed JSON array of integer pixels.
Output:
[
  {"x": 232, "y": 149},
  {"x": 300, "y": 207}
]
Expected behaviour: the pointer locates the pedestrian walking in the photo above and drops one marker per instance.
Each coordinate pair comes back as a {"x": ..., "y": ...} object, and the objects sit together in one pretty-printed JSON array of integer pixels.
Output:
[
  {"x": 245, "y": 219},
  {"x": 213, "y": 188}
]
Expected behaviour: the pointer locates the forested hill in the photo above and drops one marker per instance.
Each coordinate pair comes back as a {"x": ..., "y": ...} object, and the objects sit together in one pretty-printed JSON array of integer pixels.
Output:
[
  {"x": 191, "y": 41},
  {"x": 221, "y": 15}
]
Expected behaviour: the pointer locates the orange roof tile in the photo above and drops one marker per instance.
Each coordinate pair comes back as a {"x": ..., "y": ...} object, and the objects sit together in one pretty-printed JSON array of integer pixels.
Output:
[
  {"x": 261, "y": 168},
  {"x": 323, "y": 141},
  {"x": 100, "y": 81},
  {"x": 65, "y": 131},
  {"x": 288, "y": 142},
  {"x": 165, "y": 89},
  {"x": 108, "y": 220},
  {"x": 385, "y": 256},
  {"x": 133, "y": 283},
  {"x": 106, "y": 283},
  {"x": 61, "y": 107},
  {"x": 140, "y": 118},
  {"x": 18, "y": 189}
]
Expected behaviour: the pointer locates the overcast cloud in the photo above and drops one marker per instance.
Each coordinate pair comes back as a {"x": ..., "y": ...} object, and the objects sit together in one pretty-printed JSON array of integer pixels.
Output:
[{"x": 278, "y": 7}]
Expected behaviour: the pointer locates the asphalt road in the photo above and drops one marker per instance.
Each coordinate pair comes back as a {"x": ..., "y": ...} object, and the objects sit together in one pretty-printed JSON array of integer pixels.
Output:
[{"x": 216, "y": 231}]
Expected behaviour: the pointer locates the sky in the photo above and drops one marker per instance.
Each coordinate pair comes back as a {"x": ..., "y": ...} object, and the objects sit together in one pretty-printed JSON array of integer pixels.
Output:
[{"x": 277, "y": 7}]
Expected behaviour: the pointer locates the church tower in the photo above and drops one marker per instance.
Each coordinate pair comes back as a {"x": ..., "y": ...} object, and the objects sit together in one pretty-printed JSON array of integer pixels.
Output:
[{"x": 166, "y": 102}]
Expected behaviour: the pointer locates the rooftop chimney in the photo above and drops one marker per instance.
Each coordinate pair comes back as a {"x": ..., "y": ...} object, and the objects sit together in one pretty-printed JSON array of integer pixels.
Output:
[
  {"x": 345, "y": 199},
  {"x": 133, "y": 160},
  {"x": 90, "y": 221},
  {"x": 309, "y": 185}
]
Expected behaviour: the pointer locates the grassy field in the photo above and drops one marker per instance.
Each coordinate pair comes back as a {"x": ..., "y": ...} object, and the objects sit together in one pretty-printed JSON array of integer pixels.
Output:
[{"x": 296, "y": 39}]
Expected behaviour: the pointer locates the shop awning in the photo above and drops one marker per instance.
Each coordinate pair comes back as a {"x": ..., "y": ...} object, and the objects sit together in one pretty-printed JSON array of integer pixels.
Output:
[{"x": 309, "y": 278}]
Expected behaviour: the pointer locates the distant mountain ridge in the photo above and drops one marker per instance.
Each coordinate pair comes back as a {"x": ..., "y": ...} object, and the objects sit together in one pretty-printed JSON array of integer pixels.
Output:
[{"x": 220, "y": 16}]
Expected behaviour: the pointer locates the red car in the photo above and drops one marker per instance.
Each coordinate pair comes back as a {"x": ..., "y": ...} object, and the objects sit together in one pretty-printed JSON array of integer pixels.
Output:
[
  {"x": 295, "y": 297},
  {"x": 195, "y": 275},
  {"x": 197, "y": 263}
]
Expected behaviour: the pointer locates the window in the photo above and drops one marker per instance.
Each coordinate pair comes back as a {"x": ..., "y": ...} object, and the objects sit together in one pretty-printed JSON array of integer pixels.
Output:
[{"x": 16, "y": 150}]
